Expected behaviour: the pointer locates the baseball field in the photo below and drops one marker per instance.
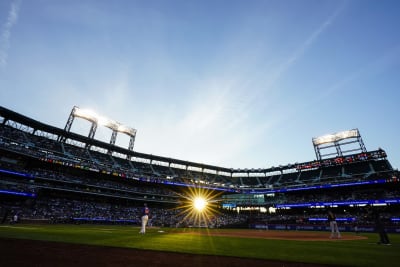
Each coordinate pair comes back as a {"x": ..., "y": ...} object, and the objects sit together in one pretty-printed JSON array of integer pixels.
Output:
[{"x": 111, "y": 245}]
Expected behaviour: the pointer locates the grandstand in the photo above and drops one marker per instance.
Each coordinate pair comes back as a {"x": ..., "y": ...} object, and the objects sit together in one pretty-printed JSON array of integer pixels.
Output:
[{"x": 53, "y": 175}]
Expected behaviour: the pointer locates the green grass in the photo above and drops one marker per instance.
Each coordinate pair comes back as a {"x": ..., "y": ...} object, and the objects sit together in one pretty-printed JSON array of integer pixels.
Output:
[{"x": 347, "y": 253}]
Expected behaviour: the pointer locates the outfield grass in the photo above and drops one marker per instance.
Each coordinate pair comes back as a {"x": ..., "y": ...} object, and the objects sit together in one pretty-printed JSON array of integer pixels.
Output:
[{"x": 347, "y": 253}]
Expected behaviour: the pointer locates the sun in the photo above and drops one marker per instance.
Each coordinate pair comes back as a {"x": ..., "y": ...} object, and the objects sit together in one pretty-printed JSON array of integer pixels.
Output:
[{"x": 200, "y": 204}]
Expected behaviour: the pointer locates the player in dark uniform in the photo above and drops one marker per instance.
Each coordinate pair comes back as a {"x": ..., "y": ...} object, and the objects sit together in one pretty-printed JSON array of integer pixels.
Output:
[
  {"x": 333, "y": 224},
  {"x": 380, "y": 228},
  {"x": 145, "y": 218}
]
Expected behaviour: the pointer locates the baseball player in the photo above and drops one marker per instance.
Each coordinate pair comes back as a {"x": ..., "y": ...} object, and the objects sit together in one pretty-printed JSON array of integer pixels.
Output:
[
  {"x": 380, "y": 228},
  {"x": 333, "y": 224},
  {"x": 145, "y": 218}
]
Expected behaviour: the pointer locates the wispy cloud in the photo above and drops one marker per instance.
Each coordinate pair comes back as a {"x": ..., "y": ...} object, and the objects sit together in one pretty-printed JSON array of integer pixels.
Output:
[
  {"x": 373, "y": 68},
  {"x": 280, "y": 70},
  {"x": 6, "y": 32},
  {"x": 218, "y": 121},
  {"x": 384, "y": 61},
  {"x": 266, "y": 78},
  {"x": 301, "y": 50}
]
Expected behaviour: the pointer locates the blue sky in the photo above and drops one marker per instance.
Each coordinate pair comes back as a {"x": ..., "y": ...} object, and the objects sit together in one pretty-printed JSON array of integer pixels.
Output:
[{"x": 241, "y": 84}]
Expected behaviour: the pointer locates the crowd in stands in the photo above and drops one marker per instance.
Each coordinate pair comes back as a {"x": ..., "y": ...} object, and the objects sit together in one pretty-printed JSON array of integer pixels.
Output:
[
  {"x": 73, "y": 210},
  {"x": 41, "y": 179},
  {"x": 371, "y": 193}
]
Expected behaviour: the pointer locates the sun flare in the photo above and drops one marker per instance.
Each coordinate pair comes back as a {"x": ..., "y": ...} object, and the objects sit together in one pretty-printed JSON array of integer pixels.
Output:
[{"x": 199, "y": 206}]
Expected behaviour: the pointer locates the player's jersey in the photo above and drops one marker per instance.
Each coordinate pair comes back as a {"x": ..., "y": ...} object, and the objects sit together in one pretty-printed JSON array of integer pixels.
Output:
[
  {"x": 146, "y": 211},
  {"x": 331, "y": 217}
]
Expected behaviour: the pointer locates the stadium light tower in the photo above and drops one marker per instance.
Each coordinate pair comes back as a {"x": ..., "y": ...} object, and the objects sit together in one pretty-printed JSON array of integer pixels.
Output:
[
  {"x": 96, "y": 120},
  {"x": 338, "y": 141},
  {"x": 84, "y": 114},
  {"x": 116, "y": 128}
]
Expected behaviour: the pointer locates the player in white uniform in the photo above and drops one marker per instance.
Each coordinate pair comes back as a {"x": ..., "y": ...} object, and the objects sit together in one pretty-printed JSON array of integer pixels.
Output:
[{"x": 144, "y": 218}]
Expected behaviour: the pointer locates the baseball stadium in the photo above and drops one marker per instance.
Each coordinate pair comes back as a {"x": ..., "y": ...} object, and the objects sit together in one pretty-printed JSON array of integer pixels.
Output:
[{"x": 70, "y": 199}]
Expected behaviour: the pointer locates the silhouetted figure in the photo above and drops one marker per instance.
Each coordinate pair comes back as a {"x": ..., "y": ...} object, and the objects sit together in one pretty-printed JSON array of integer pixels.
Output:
[
  {"x": 380, "y": 228},
  {"x": 333, "y": 225}
]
